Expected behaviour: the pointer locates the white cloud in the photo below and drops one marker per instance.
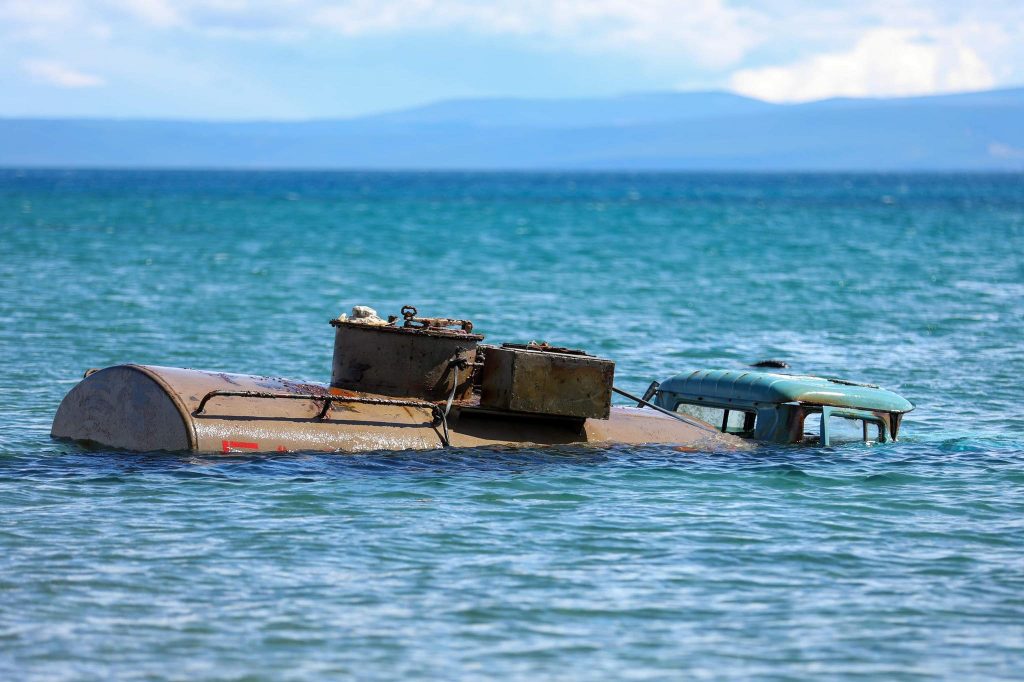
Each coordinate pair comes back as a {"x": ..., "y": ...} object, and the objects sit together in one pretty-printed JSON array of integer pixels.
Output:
[
  {"x": 783, "y": 50},
  {"x": 55, "y": 73},
  {"x": 709, "y": 32},
  {"x": 883, "y": 62},
  {"x": 713, "y": 33},
  {"x": 1005, "y": 151},
  {"x": 154, "y": 12}
]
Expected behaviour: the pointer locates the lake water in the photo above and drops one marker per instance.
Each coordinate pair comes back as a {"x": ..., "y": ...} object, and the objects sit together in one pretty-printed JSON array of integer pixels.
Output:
[{"x": 896, "y": 561}]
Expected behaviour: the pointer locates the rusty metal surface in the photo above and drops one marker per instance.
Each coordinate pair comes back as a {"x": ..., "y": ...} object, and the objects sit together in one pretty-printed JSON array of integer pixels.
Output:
[
  {"x": 644, "y": 402},
  {"x": 139, "y": 407},
  {"x": 433, "y": 323},
  {"x": 636, "y": 426},
  {"x": 327, "y": 402},
  {"x": 403, "y": 362},
  {"x": 123, "y": 407},
  {"x": 527, "y": 379},
  {"x": 546, "y": 347},
  {"x": 244, "y": 423},
  {"x": 624, "y": 426}
]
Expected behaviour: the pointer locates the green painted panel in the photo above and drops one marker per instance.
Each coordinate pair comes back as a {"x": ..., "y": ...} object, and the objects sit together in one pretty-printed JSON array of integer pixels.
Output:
[{"x": 738, "y": 387}]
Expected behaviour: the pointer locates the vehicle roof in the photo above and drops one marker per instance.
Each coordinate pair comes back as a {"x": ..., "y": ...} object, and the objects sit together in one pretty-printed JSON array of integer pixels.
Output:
[{"x": 741, "y": 386}]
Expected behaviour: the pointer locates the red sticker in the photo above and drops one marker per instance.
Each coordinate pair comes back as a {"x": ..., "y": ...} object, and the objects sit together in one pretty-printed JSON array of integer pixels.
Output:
[{"x": 228, "y": 445}]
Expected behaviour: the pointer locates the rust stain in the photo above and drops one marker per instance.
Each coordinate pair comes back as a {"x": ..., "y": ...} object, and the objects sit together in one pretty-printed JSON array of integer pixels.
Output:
[{"x": 312, "y": 389}]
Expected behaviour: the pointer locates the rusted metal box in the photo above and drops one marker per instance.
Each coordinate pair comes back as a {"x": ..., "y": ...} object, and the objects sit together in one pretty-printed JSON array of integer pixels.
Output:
[
  {"x": 538, "y": 379},
  {"x": 403, "y": 362}
]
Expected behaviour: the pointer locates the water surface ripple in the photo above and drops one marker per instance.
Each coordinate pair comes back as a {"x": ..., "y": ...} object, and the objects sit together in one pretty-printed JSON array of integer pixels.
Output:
[{"x": 896, "y": 561}]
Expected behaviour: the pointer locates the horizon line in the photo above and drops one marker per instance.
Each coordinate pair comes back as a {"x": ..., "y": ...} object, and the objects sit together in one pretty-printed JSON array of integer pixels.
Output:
[{"x": 507, "y": 98}]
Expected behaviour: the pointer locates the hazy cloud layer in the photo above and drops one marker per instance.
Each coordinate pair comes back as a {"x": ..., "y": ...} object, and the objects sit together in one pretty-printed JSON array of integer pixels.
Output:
[
  {"x": 59, "y": 75},
  {"x": 781, "y": 50},
  {"x": 707, "y": 31}
]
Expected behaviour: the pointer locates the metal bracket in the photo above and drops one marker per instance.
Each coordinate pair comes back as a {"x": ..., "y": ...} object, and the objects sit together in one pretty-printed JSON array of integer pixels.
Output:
[
  {"x": 437, "y": 414},
  {"x": 412, "y": 322},
  {"x": 651, "y": 391}
]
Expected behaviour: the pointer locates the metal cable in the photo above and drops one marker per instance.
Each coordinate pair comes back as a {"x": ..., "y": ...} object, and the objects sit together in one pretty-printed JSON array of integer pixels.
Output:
[
  {"x": 674, "y": 415},
  {"x": 447, "y": 408}
]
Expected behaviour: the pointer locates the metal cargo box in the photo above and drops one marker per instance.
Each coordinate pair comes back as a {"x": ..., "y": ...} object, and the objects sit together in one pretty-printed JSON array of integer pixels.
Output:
[
  {"x": 539, "y": 379},
  {"x": 421, "y": 359}
]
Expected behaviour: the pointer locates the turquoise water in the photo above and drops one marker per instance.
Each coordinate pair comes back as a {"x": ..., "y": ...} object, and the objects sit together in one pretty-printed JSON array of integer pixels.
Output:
[{"x": 897, "y": 561}]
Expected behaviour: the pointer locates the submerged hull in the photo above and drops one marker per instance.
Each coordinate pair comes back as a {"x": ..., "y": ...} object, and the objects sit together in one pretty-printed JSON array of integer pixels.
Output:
[{"x": 147, "y": 408}]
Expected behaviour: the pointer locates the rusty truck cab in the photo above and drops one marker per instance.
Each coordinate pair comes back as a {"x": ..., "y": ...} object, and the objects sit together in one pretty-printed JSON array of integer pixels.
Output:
[{"x": 773, "y": 407}]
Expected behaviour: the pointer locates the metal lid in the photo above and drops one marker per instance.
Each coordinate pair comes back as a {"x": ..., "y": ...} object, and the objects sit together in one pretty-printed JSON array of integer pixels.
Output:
[
  {"x": 425, "y": 326},
  {"x": 545, "y": 347}
]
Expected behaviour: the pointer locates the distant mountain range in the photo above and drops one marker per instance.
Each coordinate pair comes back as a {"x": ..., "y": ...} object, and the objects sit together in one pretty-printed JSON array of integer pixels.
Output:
[{"x": 982, "y": 131}]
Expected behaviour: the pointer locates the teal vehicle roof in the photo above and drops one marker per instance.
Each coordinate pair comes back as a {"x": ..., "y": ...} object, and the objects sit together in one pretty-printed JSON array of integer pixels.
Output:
[{"x": 738, "y": 387}]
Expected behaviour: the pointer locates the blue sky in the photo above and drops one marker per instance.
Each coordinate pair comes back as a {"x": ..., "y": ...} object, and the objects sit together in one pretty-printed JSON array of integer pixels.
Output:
[{"x": 294, "y": 59}]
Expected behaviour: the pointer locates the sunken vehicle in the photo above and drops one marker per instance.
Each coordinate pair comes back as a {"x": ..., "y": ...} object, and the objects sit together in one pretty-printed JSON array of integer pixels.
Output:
[
  {"x": 422, "y": 383},
  {"x": 396, "y": 384},
  {"x": 782, "y": 408}
]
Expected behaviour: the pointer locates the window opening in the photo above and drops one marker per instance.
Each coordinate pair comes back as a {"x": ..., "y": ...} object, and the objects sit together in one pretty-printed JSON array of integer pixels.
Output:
[{"x": 737, "y": 422}]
